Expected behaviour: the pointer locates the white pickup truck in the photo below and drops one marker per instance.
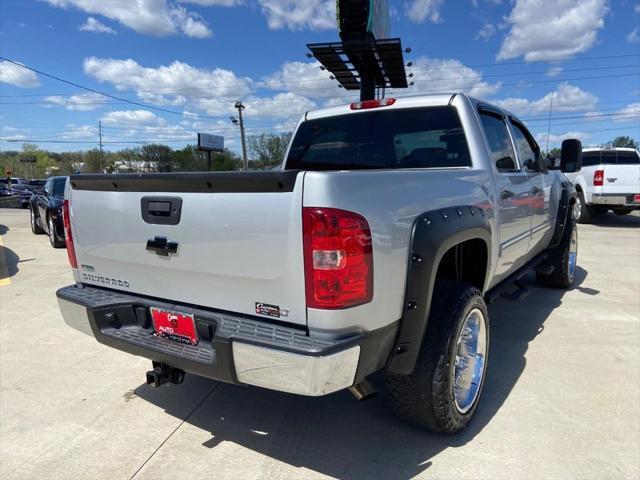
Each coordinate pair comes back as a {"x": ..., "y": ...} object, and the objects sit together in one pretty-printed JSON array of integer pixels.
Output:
[
  {"x": 376, "y": 248},
  {"x": 609, "y": 180}
]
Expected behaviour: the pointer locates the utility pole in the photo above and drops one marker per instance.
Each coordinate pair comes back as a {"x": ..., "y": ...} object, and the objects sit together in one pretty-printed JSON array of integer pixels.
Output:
[
  {"x": 549, "y": 125},
  {"x": 240, "y": 108},
  {"x": 100, "y": 133}
]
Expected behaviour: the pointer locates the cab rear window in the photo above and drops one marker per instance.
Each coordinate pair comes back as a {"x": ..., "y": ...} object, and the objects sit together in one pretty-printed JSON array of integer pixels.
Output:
[
  {"x": 610, "y": 157},
  {"x": 429, "y": 137}
]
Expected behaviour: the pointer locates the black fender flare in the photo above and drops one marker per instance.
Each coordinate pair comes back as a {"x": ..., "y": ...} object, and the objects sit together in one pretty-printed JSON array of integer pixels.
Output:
[
  {"x": 433, "y": 234},
  {"x": 568, "y": 195}
]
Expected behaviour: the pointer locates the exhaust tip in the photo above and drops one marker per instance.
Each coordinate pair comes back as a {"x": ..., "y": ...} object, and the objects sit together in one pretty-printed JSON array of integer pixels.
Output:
[{"x": 363, "y": 391}]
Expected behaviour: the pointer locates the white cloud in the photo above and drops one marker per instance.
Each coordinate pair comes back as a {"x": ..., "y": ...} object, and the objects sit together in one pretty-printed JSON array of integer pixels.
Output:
[
  {"x": 176, "y": 84},
  {"x": 190, "y": 23},
  {"x": 557, "y": 139},
  {"x": 132, "y": 117},
  {"x": 150, "y": 17},
  {"x": 74, "y": 132},
  {"x": 486, "y": 32},
  {"x": 80, "y": 102},
  {"x": 634, "y": 36},
  {"x": 95, "y": 26},
  {"x": 566, "y": 98},
  {"x": 637, "y": 8},
  {"x": 303, "y": 78},
  {"x": 420, "y": 11},
  {"x": 300, "y": 14},
  {"x": 553, "y": 30},
  {"x": 433, "y": 75},
  {"x": 214, "y": 3},
  {"x": 14, "y": 133},
  {"x": 630, "y": 113},
  {"x": 554, "y": 71},
  {"x": 18, "y": 76},
  {"x": 282, "y": 105}
]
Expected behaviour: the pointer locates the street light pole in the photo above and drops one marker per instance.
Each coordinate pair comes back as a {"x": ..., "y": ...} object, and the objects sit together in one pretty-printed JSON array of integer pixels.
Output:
[
  {"x": 100, "y": 133},
  {"x": 240, "y": 108}
]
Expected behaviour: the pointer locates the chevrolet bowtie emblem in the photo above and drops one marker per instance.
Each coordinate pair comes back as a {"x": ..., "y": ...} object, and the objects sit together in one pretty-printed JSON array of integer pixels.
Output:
[{"x": 162, "y": 246}]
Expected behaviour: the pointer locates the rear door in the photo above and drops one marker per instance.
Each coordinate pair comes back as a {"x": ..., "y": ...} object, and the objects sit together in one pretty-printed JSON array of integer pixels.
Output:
[
  {"x": 540, "y": 186},
  {"x": 514, "y": 195},
  {"x": 226, "y": 241}
]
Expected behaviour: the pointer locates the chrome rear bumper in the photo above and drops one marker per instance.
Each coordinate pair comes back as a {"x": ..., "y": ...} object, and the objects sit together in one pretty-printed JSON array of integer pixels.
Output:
[{"x": 237, "y": 350}]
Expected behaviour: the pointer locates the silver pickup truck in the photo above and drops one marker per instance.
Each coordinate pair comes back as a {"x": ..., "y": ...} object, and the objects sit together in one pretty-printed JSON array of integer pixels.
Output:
[{"x": 376, "y": 247}]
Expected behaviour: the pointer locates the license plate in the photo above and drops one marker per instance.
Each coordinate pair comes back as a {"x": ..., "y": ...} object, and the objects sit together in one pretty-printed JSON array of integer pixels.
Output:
[{"x": 176, "y": 326}]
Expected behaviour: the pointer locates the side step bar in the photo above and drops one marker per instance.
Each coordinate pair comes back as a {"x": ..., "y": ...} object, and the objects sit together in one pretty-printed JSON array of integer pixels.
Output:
[{"x": 504, "y": 288}]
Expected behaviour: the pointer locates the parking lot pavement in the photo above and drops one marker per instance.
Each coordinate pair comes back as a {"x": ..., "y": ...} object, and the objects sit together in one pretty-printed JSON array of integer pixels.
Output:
[{"x": 562, "y": 399}]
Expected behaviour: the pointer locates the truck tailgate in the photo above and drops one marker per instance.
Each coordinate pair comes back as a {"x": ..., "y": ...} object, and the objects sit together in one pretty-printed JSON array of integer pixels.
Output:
[{"x": 239, "y": 239}]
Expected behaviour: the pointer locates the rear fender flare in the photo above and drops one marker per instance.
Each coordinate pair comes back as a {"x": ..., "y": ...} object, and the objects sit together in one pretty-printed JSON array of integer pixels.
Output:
[{"x": 433, "y": 234}]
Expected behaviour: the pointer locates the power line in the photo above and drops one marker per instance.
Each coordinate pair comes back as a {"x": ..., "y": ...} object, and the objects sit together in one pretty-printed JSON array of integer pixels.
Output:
[
  {"x": 286, "y": 100},
  {"x": 270, "y": 85},
  {"x": 39, "y": 72}
]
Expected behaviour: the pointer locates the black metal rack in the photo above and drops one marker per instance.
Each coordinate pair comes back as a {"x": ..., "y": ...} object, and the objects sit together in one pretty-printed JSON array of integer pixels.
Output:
[{"x": 364, "y": 64}]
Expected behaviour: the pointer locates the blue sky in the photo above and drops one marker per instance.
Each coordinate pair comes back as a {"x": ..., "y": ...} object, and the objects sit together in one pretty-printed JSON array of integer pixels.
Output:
[{"x": 199, "y": 56}]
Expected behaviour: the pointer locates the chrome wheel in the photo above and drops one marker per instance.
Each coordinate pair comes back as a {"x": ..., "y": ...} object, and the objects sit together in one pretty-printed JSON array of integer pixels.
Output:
[
  {"x": 52, "y": 233},
  {"x": 470, "y": 361},
  {"x": 573, "y": 254},
  {"x": 577, "y": 208}
]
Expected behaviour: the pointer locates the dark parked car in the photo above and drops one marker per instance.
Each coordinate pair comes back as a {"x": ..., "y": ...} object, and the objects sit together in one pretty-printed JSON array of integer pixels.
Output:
[
  {"x": 20, "y": 187},
  {"x": 4, "y": 191},
  {"x": 36, "y": 185},
  {"x": 46, "y": 211}
]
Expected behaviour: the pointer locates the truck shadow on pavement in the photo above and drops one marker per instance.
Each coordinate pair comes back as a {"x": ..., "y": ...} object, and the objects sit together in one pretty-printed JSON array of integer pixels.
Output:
[
  {"x": 8, "y": 262},
  {"x": 611, "y": 220},
  {"x": 340, "y": 437}
]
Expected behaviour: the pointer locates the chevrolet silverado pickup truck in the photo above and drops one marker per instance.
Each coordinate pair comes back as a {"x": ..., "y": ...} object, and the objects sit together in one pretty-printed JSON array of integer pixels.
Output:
[
  {"x": 376, "y": 247},
  {"x": 609, "y": 180}
]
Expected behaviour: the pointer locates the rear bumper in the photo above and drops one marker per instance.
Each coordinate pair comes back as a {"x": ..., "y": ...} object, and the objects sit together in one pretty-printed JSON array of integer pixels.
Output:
[
  {"x": 620, "y": 199},
  {"x": 231, "y": 348}
]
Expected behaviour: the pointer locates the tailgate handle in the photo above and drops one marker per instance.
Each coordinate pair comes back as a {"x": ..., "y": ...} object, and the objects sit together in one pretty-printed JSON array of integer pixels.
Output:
[{"x": 161, "y": 210}]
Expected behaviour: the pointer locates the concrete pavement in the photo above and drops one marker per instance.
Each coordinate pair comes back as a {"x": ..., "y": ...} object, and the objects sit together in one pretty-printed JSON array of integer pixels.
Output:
[{"x": 562, "y": 399}]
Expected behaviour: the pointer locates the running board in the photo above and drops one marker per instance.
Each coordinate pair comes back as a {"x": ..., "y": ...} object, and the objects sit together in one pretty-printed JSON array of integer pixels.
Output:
[
  {"x": 505, "y": 288},
  {"x": 519, "y": 294}
]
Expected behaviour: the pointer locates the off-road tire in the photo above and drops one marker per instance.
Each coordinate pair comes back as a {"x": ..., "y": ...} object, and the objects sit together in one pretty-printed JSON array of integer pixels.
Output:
[
  {"x": 559, "y": 259},
  {"x": 586, "y": 212},
  {"x": 35, "y": 228},
  {"x": 425, "y": 397}
]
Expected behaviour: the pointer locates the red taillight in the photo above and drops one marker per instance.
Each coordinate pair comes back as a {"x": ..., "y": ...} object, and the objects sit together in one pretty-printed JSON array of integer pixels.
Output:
[
  {"x": 68, "y": 237},
  {"x": 338, "y": 258},
  {"x": 598, "y": 178},
  {"x": 382, "y": 102}
]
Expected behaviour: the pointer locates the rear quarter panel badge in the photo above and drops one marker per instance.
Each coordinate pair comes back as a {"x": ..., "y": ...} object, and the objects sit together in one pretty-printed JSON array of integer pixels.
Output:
[{"x": 270, "y": 310}]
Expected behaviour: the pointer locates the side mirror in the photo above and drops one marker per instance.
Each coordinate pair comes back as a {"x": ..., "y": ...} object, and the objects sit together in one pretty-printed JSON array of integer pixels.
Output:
[{"x": 571, "y": 156}]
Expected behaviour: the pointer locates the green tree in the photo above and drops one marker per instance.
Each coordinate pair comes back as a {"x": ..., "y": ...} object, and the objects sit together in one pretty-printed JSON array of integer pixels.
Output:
[
  {"x": 157, "y": 156},
  {"x": 623, "y": 141},
  {"x": 268, "y": 151}
]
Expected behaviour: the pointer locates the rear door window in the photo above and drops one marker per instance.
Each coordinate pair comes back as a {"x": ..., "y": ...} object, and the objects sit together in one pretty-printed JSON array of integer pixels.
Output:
[
  {"x": 499, "y": 142},
  {"x": 430, "y": 137},
  {"x": 527, "y": 149}
]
